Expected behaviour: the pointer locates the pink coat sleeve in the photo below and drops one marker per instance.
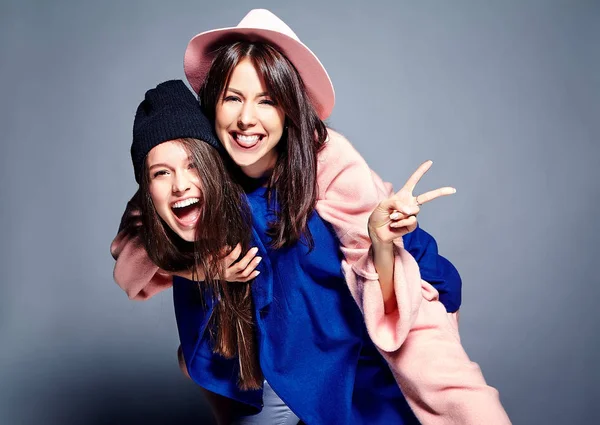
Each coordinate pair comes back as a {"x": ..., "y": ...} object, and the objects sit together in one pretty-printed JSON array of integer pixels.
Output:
[
  {"x": 348, "y": 192},
  {"x": 441, "y": 384},
  {"x": 139, "y": 277},
  {"x": 420, "y": 341}
]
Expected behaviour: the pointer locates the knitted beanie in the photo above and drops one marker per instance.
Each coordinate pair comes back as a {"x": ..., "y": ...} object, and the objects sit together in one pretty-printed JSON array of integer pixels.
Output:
[{"x": 168, "y": 112}]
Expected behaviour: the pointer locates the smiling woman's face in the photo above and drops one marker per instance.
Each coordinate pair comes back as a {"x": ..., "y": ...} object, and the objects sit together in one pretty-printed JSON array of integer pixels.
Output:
[
  {"x": 175, "y": 187},
  {"x": 248, "y": 122}
]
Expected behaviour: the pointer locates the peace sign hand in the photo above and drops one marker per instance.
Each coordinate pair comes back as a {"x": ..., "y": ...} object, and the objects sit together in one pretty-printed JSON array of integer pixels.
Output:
[{"x": 397, "y": 215}]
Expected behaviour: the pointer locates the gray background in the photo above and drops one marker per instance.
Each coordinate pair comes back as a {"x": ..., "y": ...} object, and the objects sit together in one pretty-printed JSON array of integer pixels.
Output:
[{"x": 503, "y": 96}]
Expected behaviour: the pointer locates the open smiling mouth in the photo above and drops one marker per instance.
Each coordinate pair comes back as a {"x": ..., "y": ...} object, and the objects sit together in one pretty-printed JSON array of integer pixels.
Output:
[
  {"x": 187, "y": 211},
  {"x": 246, "y": 142}
]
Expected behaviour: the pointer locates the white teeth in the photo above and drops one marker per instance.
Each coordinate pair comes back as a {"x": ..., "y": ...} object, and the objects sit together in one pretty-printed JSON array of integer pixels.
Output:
[
  {"x": 247, "y": 139},
  {"x": 186, "y": 202}
]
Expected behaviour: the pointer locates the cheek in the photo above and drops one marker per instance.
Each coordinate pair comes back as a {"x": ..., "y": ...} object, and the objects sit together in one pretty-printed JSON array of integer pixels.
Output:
[
  {"x": 276, "y": 121},
  {"x": 222, "y": 117},
  {"x": 159, "y": 196},
  {"x": 195, "y": 180}
]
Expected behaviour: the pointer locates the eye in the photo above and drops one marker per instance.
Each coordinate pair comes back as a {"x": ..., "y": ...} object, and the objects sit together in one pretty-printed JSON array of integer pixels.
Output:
[
  {"x": 267, "y": 102},
  {"x": 231, "y": 99},
  {"x": 160, "y": 173},
  {"x": 191, "y": 166}
]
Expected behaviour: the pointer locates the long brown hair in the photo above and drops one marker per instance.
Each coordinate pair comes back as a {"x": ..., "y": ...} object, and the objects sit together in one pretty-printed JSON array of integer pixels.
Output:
[
  {"x": 224, "y": 221},
  {"x": 294, "y": 178}
]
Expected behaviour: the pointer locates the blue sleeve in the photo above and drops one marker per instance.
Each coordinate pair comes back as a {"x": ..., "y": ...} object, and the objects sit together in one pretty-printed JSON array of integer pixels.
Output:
[{"x": 435, "y": 269}]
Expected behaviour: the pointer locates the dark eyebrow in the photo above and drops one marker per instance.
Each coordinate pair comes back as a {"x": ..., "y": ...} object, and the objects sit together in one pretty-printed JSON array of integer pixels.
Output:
[
  {"x": 160, "y": 164},
  {"x": 239, "y": 93}
]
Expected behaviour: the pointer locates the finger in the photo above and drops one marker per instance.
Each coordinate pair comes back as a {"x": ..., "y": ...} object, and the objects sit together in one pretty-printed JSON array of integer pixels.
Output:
[
  {"x": 405, "y": 213},
  {"x": 233, "y": 255},
  {"x": 252, "y": 276},
  {"x": 414, "y": 179},
  {"x": 411, "y": 228},
  {"x": 239, "y": 278},
  {"x": 410, "y": 221},
  {"x": 404, "y": 210},
  {"x": 396, "y": 215},
  {"x": 423, "y": 198},
  {"x": 243, "y": 263},
  {"x": 387, "y": 205},
  {"x": 250, "y": 268}
]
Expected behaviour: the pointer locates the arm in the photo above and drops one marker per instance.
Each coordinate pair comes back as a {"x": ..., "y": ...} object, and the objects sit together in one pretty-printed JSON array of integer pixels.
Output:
[
  {"x": 434, "y": 268},
  {"x": 395, "y": 217},
  {"x": 419, "y": 340},
  {"x": 141, "y": 279},
  {"x": 134, "y": 272},
  {"x": 348, "y": 194}
]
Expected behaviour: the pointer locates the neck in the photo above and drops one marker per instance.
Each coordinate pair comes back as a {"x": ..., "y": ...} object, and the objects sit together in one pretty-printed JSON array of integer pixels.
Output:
[{"x": 260, "y": 170}]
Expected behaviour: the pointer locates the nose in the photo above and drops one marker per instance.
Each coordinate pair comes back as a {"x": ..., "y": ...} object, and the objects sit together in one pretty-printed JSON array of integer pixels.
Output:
[
  {"x": 181, "y": 183},
  {"x": 247, "y": 117}
]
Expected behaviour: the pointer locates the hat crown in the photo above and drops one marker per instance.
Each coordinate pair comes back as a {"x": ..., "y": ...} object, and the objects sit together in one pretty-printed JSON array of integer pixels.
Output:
[
  {"x": 166, "y": 95},
  {"x": 261, "y": 25},
  {"x": 170, "y": 111},
  {"x": 266, "y": 20}
]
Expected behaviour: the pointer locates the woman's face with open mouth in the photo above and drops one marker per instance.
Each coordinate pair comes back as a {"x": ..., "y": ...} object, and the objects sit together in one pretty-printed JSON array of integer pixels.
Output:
[{"x": 175, "y": 188}]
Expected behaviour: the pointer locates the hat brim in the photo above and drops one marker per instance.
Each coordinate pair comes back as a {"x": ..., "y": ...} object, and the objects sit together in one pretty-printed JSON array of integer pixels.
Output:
[{"x": 202, "y": 48}]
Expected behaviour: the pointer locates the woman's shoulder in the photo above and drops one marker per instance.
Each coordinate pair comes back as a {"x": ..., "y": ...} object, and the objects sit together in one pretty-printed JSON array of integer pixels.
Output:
[
  {"x": 336, "y": 142},
  {"x": 340, "y": 165},
  {"x": 337, "y": 152}
]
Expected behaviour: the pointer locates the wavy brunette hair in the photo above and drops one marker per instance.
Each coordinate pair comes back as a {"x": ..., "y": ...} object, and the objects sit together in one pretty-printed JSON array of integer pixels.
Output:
[
  {"x": 224, "y": 220},
  {"x": 293, "y": 182}
]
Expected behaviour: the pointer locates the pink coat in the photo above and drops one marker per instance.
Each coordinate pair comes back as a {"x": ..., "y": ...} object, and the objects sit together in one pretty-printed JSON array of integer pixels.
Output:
[{"x": 420, "y": 341}]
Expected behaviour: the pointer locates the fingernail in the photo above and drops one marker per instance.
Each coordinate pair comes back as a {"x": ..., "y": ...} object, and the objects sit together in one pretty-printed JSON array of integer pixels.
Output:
[
  {"x": 394, "y": 216},
  {"x": 258, "y": 260},
  {"x": 257, "y": 272},
  {"x": 254, "y": 250}
]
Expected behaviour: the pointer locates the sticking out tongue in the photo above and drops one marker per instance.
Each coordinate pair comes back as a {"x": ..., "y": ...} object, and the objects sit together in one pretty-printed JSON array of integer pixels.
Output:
[
  {"x": 247, "y": 142},
  {"x": 189, "y": 214}
]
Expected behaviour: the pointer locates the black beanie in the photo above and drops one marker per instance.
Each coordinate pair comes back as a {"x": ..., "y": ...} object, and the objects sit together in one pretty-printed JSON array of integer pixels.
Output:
[{"x": 168, "y": 112}]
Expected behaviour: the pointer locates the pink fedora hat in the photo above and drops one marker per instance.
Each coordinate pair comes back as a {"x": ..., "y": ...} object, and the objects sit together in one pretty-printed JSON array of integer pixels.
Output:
[{"x": 260, "y": 25}]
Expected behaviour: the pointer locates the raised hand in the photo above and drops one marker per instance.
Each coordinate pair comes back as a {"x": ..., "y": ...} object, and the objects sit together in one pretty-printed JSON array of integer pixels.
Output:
[{"x": 397, "y": 215}]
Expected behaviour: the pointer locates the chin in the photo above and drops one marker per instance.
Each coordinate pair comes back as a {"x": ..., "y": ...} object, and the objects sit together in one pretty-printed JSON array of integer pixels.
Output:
[
  {"x": 186, "y": 235},
  {"x": 243, "y": 162}
]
